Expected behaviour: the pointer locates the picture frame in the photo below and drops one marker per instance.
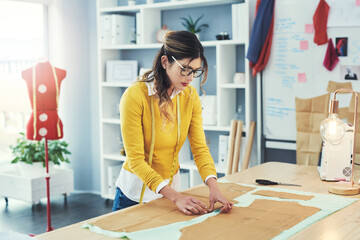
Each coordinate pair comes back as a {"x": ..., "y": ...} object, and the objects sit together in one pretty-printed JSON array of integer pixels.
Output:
[{"x": 124, "y": 71}]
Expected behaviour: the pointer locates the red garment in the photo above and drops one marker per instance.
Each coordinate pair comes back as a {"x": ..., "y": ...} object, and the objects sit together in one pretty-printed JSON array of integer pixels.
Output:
[
  {"x": 48, "y": 123},
  {"x": 320, "y": 23},
  {"x": 331, "y": 58}
]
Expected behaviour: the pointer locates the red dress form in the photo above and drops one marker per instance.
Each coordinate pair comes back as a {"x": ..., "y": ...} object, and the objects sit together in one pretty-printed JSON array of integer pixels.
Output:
[{"x": 43, "y": 82}]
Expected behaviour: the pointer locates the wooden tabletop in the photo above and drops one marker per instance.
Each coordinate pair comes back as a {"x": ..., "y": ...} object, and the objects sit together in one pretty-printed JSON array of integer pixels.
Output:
[{"x": 344, "y": 224}]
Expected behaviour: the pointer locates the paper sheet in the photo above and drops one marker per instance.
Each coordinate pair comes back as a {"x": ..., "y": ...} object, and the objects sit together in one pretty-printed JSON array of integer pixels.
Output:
[{"x": 327, "y": 204}]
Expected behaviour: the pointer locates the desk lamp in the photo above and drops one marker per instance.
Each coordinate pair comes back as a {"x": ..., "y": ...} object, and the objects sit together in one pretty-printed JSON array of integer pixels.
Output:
[{"x": 333, "y": 130}]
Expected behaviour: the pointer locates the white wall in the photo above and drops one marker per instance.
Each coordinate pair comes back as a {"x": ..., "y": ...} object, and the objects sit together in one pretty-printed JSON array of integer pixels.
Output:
[{"x": 72, "y": 35}]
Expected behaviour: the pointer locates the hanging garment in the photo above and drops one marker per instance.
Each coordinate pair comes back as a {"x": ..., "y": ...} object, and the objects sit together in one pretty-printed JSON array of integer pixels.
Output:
[
  {"x": 331, "y": 58},
  {"x": 261, "y": 35},
  {"x": 43, "y": 82},
  {"x": 320, "y": 23}
]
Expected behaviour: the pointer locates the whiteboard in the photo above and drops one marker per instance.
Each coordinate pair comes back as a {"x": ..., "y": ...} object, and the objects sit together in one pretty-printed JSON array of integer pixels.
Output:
[{"x": 296, "y": 71}]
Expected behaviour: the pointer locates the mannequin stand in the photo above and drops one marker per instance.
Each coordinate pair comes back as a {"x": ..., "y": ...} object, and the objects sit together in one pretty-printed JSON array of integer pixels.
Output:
[{"x": 47, "y": 177}]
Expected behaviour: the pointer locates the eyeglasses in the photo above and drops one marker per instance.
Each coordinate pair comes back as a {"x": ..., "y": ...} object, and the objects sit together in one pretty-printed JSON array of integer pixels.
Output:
[{"x": 186, "y": 71}]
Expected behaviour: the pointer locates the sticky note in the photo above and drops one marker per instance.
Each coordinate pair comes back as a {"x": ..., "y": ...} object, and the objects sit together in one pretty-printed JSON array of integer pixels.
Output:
[
  {"x": 309, "y": 28},
  {"x": 304, "y": 45},
  {"x": 302, "y": 77},
  {"x": 357, "y": 2}
]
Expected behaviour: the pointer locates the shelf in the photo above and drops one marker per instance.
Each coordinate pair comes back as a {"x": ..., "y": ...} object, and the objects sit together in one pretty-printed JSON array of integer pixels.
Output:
[
  {"x": 216, "y": 128},
  {"x": 190, "y": 165},
  {"x": 167, "y": 5},
  {"x": 115, "y": 84},
  {"x": 111, "y": 120},
  {"x": 116, "y": 157},
  {"x": 233, "y": 85},
  {"x": 158, "y": 45}
]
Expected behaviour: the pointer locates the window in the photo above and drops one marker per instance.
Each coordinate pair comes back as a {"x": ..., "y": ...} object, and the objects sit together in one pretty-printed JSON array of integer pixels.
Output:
[{"x": 22, "y": 42}]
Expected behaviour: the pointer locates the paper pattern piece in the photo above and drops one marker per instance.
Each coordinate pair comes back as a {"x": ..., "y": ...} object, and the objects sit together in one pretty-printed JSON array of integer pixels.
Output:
[
  {"x": 304, "y": 45},
  {"x": 249, "y": 206},
  {"x": 310, "y": 113},
  {"x": 309, "y": 28},
  {"x": 162, "y": 212},
  {"x": 263, "y": 219},
  {"x": 283, "y": 195}
]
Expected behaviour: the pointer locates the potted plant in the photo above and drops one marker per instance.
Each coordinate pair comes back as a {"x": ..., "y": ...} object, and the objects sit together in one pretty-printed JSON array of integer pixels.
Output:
[
  {"x": 32, "y": 153},
  {"x": 192, "y": 26}
]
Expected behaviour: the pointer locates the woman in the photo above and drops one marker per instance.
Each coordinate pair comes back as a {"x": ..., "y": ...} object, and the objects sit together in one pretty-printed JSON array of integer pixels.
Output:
[{"x": 157, "y": 114}]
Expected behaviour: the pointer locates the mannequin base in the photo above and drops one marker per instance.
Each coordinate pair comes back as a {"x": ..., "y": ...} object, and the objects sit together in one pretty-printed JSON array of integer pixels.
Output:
[{"x": 344, "y": 188}]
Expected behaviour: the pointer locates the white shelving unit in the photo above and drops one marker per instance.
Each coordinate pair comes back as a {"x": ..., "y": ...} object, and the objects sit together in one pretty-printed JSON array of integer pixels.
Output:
[{"x": 226, "y": 61}]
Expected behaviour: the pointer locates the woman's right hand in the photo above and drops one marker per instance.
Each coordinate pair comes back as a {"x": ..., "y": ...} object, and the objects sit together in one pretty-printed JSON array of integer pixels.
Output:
[
  {"x": 186, "y": 204},
  {"x": 190, "y": 205}
]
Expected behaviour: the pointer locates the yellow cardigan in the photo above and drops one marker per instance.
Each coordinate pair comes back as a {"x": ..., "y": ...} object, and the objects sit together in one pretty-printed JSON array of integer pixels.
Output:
[{"x": 135, "y": 116}]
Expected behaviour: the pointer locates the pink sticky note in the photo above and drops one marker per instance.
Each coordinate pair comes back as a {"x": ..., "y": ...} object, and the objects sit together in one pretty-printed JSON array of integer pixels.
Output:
[
  {"x": 304, "y": 45},
  {"x": 357, "y": 2},
  {"x": 302, "y": 77},
  {"x": 309, "y": 28}
]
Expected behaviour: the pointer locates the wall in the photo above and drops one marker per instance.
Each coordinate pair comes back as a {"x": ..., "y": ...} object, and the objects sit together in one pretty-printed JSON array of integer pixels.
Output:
[{"x": 72, "y": 38}]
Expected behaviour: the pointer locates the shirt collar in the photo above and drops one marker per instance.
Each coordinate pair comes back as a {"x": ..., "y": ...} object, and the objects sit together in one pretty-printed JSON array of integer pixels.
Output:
[{"x": 152, "y": 90}]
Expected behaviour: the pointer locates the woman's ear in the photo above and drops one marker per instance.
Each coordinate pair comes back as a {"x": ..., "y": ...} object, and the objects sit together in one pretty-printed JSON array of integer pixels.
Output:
[{"x": 164, "y": 61}]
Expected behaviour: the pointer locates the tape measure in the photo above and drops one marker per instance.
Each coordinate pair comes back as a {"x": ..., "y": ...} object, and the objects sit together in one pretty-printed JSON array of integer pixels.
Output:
[{"x": 153, "y": 140}]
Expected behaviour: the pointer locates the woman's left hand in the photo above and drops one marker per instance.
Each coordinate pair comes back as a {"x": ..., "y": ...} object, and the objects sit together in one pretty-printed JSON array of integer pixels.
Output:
[{"x": 216, "y": 196}]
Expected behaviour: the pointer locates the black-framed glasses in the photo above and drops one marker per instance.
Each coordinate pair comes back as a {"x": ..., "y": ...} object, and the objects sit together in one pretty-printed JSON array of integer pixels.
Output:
[{"x": 186, "y": 71}]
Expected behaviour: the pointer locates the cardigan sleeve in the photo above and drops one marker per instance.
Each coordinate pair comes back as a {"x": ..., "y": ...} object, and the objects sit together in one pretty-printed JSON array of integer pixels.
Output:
[
  {"x": 131, "y": 111},
  {"x": 200, "y": 150}
]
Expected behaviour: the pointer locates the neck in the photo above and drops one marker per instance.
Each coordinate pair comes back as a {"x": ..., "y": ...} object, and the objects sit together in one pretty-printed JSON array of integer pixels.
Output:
[{"x": 170, "y": 90}]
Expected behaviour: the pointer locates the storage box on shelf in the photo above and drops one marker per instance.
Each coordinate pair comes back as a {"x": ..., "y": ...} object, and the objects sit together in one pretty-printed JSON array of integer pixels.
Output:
[{"x": 225, "y": 58}]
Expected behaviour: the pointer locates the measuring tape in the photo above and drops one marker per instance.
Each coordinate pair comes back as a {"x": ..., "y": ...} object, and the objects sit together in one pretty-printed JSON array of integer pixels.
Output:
[{"x": 153, "y": 141}]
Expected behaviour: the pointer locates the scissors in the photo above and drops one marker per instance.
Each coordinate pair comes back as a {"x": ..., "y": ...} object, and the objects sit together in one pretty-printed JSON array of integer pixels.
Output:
[{"x": 268, "y": 182}]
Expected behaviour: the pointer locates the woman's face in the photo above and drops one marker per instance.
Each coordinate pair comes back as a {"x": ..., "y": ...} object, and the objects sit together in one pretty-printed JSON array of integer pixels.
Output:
[{"x": 178, "y": 81}]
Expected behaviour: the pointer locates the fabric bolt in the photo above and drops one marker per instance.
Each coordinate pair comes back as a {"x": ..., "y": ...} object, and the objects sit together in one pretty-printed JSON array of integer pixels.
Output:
[
  {"x": 261, "y": 35},
  {"x": 135, "y": 117},
  {"x": 43, "y": 92},
  {"x": 320, "y": 19},
  {"x": 331, "y": 57}
]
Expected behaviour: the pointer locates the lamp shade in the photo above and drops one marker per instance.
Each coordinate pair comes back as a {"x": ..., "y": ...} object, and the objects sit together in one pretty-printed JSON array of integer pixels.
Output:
[{"x": 332, "y": 129}]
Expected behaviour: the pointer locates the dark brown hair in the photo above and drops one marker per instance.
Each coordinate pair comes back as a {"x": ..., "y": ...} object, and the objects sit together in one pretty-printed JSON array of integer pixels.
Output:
[{"x": 180, "y": 45}]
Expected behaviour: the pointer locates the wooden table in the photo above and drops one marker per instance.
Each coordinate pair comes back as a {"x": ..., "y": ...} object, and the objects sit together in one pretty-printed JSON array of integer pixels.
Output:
[{"x": 344, "y": 224}]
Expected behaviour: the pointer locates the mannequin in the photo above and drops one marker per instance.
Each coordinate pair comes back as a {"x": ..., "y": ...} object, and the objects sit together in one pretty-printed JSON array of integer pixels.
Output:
[
  {"x": 44, "y": 98},
  {"x": 43, "y": 82}
]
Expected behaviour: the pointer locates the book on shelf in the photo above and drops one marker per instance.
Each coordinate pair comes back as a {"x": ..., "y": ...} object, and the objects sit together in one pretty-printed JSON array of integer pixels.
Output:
[
  {"x": 113, "y": 173},
  {"x": 208, "y": 103},
  {"x": 223, "y": 151},
  {"x": 105, "y": 30},
  {"x": 122, "y": 29},
  {"x": 139, "y": 39},
  {"x": 117, "y": 29}
]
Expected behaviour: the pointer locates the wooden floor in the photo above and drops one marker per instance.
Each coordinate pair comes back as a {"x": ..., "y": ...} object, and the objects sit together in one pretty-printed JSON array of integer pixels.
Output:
[{"x": 23, "y": 217}]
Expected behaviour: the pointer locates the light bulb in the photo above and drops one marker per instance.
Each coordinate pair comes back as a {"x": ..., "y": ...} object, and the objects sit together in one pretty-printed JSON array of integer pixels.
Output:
[{"x": 332, "y": 129}]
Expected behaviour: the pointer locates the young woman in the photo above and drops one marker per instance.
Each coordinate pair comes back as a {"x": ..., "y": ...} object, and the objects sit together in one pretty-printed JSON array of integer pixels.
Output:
[{"x": 157, "y": 114}]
